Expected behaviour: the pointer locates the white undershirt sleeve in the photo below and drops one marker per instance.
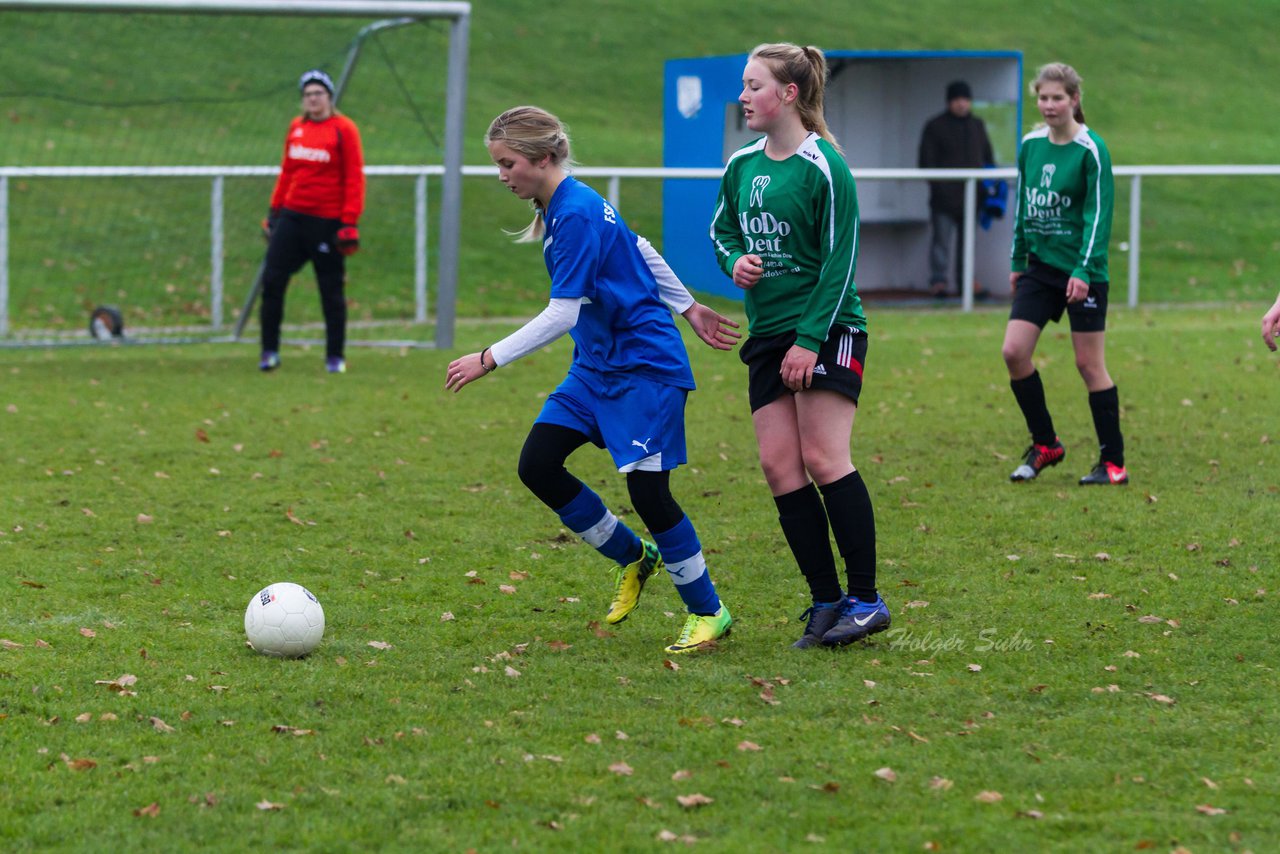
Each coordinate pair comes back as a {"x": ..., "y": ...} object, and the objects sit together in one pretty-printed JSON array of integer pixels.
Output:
[
  {"x": 670, "y": 288},
  {"x": 556, "y": 319}
]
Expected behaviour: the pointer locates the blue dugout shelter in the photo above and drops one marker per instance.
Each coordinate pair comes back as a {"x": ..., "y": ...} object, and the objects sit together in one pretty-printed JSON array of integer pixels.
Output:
[{"x": 877, "y": 103}]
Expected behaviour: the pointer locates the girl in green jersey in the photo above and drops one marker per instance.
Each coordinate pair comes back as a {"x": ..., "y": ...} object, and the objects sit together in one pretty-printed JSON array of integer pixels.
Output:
[
  {"x": 786, "y": 230},
  {"x": 1061, "y": 229}
]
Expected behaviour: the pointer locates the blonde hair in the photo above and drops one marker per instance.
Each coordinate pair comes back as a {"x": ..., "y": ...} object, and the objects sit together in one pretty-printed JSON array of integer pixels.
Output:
[
  {"x": 533, "y": 133},
  {"x": 1060, "y": 72},
  {"x": 806, "y": 67}
]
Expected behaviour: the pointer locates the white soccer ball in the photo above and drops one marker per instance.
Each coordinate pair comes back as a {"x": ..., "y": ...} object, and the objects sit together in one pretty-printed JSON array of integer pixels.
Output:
[{"x": 284, "y": 620}]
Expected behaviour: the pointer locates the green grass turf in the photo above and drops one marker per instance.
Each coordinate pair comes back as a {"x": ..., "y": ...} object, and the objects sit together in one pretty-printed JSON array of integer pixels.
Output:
[{"x": 1099, "y": 658}]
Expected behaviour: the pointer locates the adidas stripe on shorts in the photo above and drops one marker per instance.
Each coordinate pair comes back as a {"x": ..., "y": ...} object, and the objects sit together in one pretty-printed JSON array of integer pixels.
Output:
[{"x": 838, "y": 369}]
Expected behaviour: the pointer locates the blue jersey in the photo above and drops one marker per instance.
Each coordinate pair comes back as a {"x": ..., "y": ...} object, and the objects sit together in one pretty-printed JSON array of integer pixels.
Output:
[{"x": 623, "y": 325}]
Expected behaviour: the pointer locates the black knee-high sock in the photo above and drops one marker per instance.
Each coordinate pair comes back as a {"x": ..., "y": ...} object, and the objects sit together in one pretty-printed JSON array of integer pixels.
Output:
[
  {"x": 854, "y": 524},
  {"x": 1105, "y": 406},
  {"x": 1029, "y": 392},
  {"x": 804, "y": 524}
]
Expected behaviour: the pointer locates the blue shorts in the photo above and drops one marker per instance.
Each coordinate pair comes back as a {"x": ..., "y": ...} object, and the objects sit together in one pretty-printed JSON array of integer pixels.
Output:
[{"x": 639, "y": 421}]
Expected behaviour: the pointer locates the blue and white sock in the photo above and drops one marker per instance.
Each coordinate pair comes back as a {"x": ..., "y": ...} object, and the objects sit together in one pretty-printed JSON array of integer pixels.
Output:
[
  {"x": 587, "y": 517},
  {"x": 682, "y": 554}
]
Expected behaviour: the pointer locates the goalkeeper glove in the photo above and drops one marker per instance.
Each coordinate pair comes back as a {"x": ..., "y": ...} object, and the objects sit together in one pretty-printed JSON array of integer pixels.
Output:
[
  {"x": 348, "y": 239},
  {"x": 269, "y": 224}
]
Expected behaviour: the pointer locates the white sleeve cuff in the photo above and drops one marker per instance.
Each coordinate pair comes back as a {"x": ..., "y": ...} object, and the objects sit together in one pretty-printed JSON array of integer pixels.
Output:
[
  {"x": 556, "y": 319},
  {"x": 670, "y": 288}
]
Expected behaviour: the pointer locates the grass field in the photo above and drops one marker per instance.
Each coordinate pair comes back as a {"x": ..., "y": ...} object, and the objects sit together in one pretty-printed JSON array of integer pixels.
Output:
[{"x": 1068, "y": 669}]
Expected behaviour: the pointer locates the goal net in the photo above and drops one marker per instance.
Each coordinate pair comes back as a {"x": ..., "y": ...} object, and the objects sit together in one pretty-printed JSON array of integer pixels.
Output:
[{"x": 141, "y": 148}]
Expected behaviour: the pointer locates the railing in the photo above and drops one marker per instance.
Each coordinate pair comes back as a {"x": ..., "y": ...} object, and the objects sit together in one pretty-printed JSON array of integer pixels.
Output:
[{"x": 218, "y": 174}]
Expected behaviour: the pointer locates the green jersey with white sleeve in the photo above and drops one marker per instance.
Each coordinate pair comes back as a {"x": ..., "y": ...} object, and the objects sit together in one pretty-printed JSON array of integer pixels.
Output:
[
  {"x": 1065, "y": 198},
  {"x": 800, "y": 215}
]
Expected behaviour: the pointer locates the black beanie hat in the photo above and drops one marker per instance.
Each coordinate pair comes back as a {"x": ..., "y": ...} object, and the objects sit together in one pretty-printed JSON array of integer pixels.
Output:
[{"x": 959, "y": 89}]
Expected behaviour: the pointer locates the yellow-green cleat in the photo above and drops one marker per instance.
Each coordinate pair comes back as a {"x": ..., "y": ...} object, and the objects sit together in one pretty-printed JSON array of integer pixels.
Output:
[
  {"x": 630, "y": 581},
  {"x": 700, "y": 632}
]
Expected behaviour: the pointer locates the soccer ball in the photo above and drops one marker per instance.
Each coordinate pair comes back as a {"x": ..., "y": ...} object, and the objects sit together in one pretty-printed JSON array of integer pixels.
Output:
[{"x": 284, "y": 620}]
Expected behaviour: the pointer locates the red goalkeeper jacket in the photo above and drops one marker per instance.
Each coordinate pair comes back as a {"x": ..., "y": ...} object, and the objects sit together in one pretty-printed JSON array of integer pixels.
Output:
[{"x": 322, "y": 173}]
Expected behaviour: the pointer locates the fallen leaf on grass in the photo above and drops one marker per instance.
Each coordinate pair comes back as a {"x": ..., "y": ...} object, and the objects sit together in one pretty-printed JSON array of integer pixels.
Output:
[
  {"x": 988, "y": 797},
  {"x": 941, "y": 783},
  {"x": 120, "y": 683},
  {"x": 144, "y": 519},
  {"x": 288, "y": 514},
  {"x": 81, "y": 764},
  {"x": 670, "y": 665},
  {"x": 380, "y": 645},
  {"x": 748, "y": 746},
  {"x": 161, "y": 726},
  {"x": 1029, "y": 814},
  {"x": 887, "y": 774},
  {"x": 151, "y": 810},
  {"x": 268, "y": 806},
  {"x": 667, "y": 836},
  {"x": 292, "y": 730},
  {"x": 693, "y": 801},
  {"x": 447, "y": 616},
  {"x": 1161, "y": 698},
  {"x": 8, "y": 644},
  {"x": 89, "y": 633},
  {"x": 1206, "y": 809},
  {"x": 622, "y": 769}
]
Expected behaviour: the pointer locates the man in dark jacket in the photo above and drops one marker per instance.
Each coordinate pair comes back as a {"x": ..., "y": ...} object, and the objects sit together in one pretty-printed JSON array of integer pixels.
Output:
[{"x": 956, "y": 139}]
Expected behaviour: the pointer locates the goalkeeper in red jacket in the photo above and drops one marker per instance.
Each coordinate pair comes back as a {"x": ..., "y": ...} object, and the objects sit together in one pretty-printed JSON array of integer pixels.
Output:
[{"x": 317, "y": 202}]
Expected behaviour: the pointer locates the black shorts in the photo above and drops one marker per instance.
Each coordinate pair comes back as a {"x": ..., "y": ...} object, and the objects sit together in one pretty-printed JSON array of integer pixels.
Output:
[
  {"x": 838, "y": 369},
  {"x": 1041, "y": 296}
]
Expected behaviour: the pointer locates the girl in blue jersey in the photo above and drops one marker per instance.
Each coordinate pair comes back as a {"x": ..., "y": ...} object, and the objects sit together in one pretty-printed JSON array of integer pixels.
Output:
[
  {"x": 629, "y": 378},
  {"x": 1062, "y": 225},
  {"x": 786, "y": 230}
]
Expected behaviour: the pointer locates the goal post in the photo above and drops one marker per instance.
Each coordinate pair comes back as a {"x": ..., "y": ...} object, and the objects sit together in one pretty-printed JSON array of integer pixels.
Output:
[{"x": 457, "y": 14}]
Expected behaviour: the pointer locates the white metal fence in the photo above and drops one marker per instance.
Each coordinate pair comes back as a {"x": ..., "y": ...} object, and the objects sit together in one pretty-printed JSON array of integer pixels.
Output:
[{"x": 615, "y": 176}]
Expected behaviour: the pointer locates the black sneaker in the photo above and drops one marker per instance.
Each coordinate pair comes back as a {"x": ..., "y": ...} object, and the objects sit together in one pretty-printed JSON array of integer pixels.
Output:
[
  {"x": 857, "y": 620},
  {"x": 1106, "y": 473},
  {"x": 821, "y": 616},
  {"x": 1037, "y": 459}
]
